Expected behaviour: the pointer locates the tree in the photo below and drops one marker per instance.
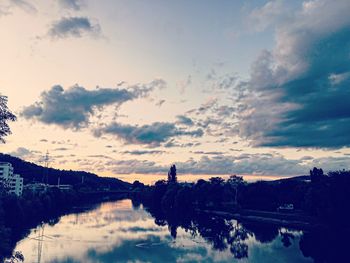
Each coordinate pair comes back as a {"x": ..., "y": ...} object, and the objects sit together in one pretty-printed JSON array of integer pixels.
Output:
[
  {"x": 235, "y": 181},
  {"x": 137, "y": 185},
  {"x": 316, "y": 175},
  {"x": 172, "y": 174},
  {"x": 5, "y": 116}
]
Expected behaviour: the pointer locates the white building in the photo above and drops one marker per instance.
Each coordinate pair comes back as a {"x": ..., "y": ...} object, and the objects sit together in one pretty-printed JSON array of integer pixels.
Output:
[{"x": 13, "y": 183}]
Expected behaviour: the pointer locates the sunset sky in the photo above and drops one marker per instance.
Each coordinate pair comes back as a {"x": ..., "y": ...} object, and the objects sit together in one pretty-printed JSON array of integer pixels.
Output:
[{"x": 126, "y": 88}]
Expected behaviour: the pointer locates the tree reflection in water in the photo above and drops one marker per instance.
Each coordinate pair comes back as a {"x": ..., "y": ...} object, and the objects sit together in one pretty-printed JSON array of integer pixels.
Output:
[
  {"x": 225, "y": 234},
  {"x": 320, "y": 244},
  {"x": 219, "y": 232}
]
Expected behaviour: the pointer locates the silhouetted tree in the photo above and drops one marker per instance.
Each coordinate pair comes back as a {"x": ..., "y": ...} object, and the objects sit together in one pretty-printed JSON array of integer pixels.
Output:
[
  {"x": 5, "y": 116},
  {"x": 235, "y": 182},
  {"x": 316, "y": 175},
  {"x": 172, "y": 174},
  {"x": 137, "y": 184}
]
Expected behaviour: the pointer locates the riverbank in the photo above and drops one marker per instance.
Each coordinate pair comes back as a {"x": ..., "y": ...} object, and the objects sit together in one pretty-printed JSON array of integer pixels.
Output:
[{"x": 290, "y": 220}]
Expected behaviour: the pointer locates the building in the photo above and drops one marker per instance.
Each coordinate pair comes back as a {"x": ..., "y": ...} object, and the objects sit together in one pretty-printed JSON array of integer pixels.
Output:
[{"x": 13, "y": 183}]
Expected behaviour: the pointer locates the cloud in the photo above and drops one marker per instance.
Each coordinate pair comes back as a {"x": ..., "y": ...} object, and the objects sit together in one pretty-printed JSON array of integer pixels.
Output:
[
  {"x": 143, "y": 152},
  {"x": 221, "y": 82},
  {"x": 208, "y": 153},
  {"x": 249, "y": 164},
  {"x": 61, "y": 149},
  {"x": 21, "y": 152},
  {"x": 25, "y": 6},
  {"x": 73, "y": 107},
  {"x": 183, "y": 84},
  {"x": 4, "y": 10},
  {"x": 152, "y": 135},
  {"x": 184, "y": 120},
  {"x": 100, "y": 156},
  {"x": 297, "y": 93},
  {"x": 135, "y": 166},
  {"x": 173, "y": 143},
  {"x": 160, "y": 103},
  {"x": 73, "y": 27},
  {"x": 24, "y": 153},
  {"x": 272, "y": 12},
  {"x": 71, "y": 4},
  {"x": 216, "y": 119},
  {"x": 262, "y": 164}
]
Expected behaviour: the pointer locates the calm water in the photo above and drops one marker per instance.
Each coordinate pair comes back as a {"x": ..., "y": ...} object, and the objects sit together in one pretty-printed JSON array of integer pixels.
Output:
[{"x": 118, "y": 232}]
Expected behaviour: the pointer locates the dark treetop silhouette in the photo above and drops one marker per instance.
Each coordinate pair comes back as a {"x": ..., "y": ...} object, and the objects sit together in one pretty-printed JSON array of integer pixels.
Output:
[
  {"x": 5, "y": 116},
  {"x": 172, "y": 174}
]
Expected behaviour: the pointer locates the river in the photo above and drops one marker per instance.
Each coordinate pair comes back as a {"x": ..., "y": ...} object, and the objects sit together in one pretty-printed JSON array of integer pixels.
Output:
[{"x": 120, "y": 232}]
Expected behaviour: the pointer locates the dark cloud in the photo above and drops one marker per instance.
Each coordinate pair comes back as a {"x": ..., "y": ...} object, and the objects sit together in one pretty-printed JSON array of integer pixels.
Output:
[
  {"x": 322, "y": 117},
  {"x": 74, "y": 27},
  {"x": 152, "y": 135},
  {"x": 143, "y": 152},
  {"x": 160, "y": 103},
  {"x": 25, "y": 6},
  {"x": 100, "y": 156},
  {"x": 22, "y": 152},
  {"x": 62, "y": 149},
  {"x": 72, "y": 108},
  {"x": 71, "y": 4},
  {"x": 208, "y": 153},
  {"x": 298, "y": 94},
  {"x": 184, "y": 120},
  {"x": 307, "y": 158},
  {"x": 173, "y": 143}
]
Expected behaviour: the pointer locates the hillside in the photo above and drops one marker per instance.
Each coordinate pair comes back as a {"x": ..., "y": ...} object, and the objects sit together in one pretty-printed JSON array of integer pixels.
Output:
[{"x": 32, "y": 172}]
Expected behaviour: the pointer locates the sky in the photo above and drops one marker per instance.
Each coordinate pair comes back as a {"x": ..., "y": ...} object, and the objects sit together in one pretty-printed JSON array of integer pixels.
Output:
[{"x": 127, "y": 88}]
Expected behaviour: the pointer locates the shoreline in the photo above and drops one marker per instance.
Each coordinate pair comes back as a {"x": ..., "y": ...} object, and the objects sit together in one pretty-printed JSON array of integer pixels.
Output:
[{"x": 298, "y": 221}]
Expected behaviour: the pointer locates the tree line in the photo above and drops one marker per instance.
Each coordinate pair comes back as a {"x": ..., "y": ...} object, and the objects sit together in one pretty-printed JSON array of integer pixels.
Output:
[{"x": 323, "y": 196}]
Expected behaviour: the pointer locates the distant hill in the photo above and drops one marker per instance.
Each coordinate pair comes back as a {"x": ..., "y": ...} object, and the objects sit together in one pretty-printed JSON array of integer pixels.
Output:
[{"x": 32, "y": 172}]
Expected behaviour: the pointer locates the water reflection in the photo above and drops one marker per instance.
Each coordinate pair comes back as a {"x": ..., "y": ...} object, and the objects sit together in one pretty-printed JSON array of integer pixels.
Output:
[{"x": 123, "y": 231}]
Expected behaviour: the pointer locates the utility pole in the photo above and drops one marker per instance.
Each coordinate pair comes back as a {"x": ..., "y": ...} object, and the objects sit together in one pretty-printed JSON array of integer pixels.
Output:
[{"x": 46, "y": 170}]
